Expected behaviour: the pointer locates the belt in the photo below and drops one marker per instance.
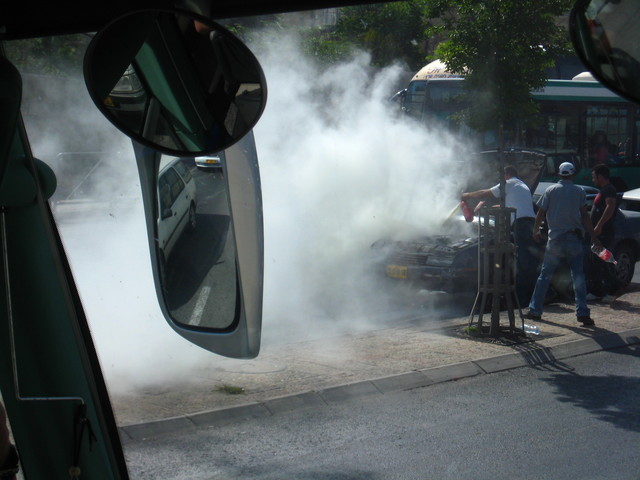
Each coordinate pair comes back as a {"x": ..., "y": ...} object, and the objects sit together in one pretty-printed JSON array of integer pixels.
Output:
[{"x": 577, "y": 232}]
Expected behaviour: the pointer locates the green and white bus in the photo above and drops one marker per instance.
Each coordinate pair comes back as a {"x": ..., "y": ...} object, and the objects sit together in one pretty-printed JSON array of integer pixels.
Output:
[{"x": 579, "y": 121}]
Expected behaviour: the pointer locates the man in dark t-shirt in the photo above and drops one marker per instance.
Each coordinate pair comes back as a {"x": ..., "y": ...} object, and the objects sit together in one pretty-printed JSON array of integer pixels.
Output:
[{"x": 603, "y": 215}]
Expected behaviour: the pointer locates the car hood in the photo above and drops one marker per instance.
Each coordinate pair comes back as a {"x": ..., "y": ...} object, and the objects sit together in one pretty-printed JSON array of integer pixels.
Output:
[{"x": 438, "y": 250}]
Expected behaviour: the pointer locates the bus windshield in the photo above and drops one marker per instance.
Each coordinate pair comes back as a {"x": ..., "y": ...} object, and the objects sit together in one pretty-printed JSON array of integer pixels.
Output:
[{"x": 439, "y": 98}]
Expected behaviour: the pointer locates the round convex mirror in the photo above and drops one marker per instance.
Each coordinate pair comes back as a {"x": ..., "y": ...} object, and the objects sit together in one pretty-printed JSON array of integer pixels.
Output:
[
  {"x": 607, "y": 39},
  {"x": 175, "y": 82}
]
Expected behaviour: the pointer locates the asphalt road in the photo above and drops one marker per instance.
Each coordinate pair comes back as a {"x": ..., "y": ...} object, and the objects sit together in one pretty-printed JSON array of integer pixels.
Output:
[{"x": 579, "y": 419}]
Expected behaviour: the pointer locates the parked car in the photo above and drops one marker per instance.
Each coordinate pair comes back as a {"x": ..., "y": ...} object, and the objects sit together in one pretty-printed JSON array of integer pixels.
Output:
[
  {"x": 448, "y": 261},
  {"x": 177, "y": 200},
  {"x": 210, "y": 162},
  {"x": 626, "y": 245},
  {"x": 631, "y": 200},
  {"x": 589, "y": 190}
]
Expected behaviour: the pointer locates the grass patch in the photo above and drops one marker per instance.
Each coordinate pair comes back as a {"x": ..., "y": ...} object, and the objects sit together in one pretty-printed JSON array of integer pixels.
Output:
[{"x": 230, "y": 389}]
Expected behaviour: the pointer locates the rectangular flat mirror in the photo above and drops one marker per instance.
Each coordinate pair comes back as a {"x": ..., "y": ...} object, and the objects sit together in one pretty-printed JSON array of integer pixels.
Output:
[{"x": 204, "y": 217}]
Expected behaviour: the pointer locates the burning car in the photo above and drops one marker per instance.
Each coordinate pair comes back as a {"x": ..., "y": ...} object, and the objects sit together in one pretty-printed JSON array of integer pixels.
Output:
[{"x": 449, "y": 260}]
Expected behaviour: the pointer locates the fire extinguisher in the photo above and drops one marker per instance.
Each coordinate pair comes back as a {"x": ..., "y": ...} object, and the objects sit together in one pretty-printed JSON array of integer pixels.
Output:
[{"x": 467, "y": 211}]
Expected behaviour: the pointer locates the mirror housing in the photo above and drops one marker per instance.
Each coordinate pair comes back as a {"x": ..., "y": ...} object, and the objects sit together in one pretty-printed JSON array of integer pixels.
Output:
[
  {"x": 607, "y": 40},
  {"x": 239, "y": 335},
  {"x": 175, "y": 81}
]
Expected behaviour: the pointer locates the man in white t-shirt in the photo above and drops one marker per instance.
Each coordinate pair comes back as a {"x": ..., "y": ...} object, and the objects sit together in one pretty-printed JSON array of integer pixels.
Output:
[{"x": 518, "y": 196}]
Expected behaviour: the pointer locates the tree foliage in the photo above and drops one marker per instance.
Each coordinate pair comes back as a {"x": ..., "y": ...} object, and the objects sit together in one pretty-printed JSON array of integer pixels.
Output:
[
  {"x": 391, "y": 32},
  {"x": 504, "y": 47},
  {"x": 57, "y": 56},
  {"x": 325, "y": 47}
]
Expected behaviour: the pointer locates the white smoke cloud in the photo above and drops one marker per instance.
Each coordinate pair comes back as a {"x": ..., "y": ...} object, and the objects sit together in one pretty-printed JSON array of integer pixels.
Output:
[{"x": 339, "y": 170}]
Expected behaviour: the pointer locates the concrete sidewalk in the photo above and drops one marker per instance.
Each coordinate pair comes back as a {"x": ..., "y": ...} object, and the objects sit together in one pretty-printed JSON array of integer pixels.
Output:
[{"x": 316, "y": 373}]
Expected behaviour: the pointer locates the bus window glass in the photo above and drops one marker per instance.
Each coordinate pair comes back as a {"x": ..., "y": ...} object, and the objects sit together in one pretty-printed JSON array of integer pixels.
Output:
[
  {"x": 443, "y": 101},
  {"x": 445, "y": 98},
  {"x": 568, "y": 128},
  {"x": 555, "y": 133},
  {"x": 607, "y": 133}
]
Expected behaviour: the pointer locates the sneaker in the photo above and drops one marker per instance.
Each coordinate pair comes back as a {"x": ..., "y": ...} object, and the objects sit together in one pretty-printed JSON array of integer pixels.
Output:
[
  {"x": 608, "y": 298},
  {"x": 586, "y": 321},
  {"x": 592, "y": 298},
  {"x": 532, "y": 316}
]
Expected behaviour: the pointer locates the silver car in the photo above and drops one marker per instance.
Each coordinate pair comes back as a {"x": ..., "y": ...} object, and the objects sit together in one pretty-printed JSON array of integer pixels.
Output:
[
  {"x": 210, "y": 162},
  {"x": 177, "y": 200}
]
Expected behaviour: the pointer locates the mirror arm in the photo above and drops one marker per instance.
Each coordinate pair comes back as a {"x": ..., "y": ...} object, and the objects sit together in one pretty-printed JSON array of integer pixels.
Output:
[{"x": 152, "y": 118}]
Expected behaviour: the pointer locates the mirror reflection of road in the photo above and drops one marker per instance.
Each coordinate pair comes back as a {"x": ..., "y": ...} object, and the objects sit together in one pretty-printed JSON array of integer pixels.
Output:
[{"x": 201, "y": 282}]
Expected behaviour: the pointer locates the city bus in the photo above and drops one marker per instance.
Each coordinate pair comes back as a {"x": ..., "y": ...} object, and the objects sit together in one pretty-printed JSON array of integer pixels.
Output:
[{"x": 579, "y": 120}]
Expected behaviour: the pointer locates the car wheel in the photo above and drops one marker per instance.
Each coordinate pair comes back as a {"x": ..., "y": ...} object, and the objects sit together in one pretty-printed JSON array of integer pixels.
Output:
[
  {"x": 192, "y": 217},
  {"x": 626, "y": 258}
]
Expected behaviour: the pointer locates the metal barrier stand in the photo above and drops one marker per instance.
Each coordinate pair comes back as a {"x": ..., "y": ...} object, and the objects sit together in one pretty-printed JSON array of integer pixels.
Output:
[{"x": 496, "y": 272}]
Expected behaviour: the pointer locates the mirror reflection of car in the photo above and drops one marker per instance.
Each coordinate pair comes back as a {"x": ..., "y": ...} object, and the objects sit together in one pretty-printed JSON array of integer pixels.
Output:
[
  {"x": 128, "y": 94},
  {"x": 177, "y": 200},
  {"x": 210, "y": 162}
]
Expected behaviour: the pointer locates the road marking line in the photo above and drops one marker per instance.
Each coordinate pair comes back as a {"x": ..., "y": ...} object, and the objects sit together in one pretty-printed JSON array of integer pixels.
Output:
[{"x": 198, "y": 310}]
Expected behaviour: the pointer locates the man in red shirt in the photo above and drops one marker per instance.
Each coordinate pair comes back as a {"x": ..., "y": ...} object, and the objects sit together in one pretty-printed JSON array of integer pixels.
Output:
[{"x": 603, "y": 215}]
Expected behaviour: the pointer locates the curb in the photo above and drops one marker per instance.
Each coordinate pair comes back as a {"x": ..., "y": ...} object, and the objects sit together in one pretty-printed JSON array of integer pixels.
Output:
[{"x": 532, "y": 356}]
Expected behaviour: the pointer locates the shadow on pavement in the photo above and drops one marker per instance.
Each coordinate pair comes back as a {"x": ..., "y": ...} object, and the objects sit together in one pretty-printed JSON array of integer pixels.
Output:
[{"x": 611, "y": 398}]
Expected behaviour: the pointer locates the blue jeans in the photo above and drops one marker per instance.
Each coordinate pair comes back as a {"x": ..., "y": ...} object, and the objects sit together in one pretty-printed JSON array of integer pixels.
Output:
[
  {"x": 527, "y": 258},
  {"x": 570, "y": 247}
]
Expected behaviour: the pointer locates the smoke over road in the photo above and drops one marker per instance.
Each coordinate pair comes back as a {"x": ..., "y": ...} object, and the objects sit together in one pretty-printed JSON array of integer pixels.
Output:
[{"x": 339, "y": 171}]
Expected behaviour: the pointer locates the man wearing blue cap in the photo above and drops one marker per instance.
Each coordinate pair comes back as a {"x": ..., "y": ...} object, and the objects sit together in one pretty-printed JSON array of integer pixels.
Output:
[{"x": 564, "y": 205}]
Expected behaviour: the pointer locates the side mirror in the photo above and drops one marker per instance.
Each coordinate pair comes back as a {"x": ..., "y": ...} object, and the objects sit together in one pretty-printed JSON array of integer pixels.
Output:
[
  {"x": 175, "y": 82},
  {"x": 607, "y": 39}
]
